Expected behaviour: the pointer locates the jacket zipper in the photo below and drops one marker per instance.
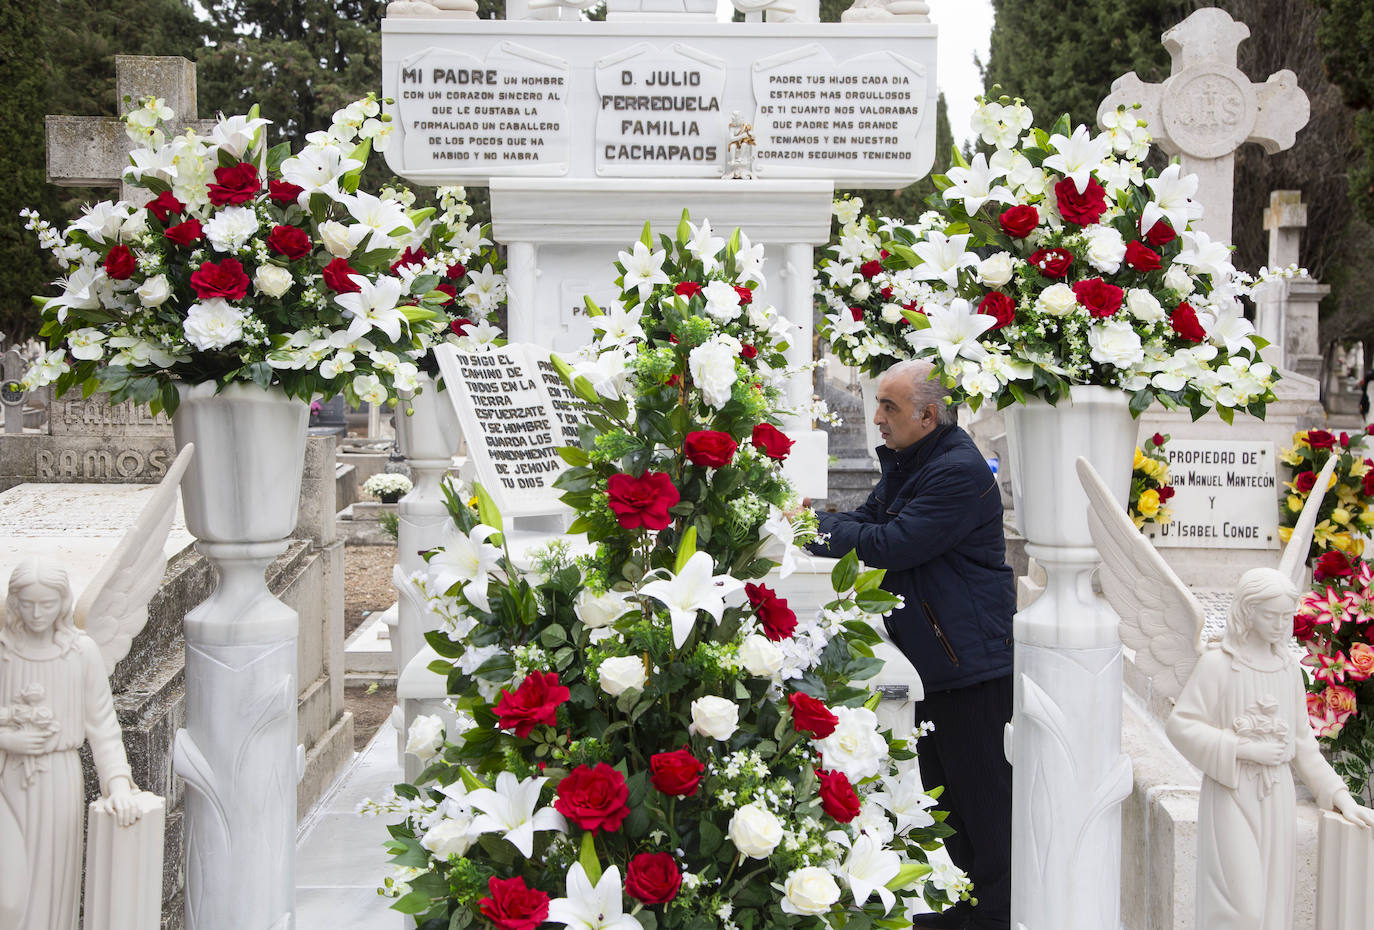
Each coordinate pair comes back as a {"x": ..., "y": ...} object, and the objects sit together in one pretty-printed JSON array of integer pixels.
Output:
[{"x": 940, "y": 633}]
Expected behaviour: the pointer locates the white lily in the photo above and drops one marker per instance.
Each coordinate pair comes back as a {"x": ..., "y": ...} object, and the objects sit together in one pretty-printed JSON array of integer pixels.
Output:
[
  {"x": 704, "y": 245},
  {"x": 606, "y": 372},
  {"x": 510, "y": 810},
  {"x": 1204, "y": 255},
  {"x": 694, "y": 588},
  {"x": 954, "y": 331},
  {"x": 618, "y": 326},
  {"x": 903, "y": 798},
  {"x": 592, "y": 907},
  {"x": 643, "y": 269},
  {"x": 942, "y": 256},
  {"x": 383, "y": 218},
  {"x": 160, "y": 163},
  {"x": 317, "y": 169},
  {"x": 855, "y": 247},
  {"x": 868, "y": 868},
  {"x": 779, "y": 533},
  {"x": 468, "y": 239},
  {"x": 1078, "y": 155},
  {"x": 373, "y": 306},
  {"x": 1173, "y": 192},
  {"x": 973, "y": 185},
  {"x": 467, "y": 559},
  {"x": 80, "y": 291},
  {"x": 233, "y": 134},
  {"x": 749, "y": 261},
  {"x": 1227, "y": 326}
]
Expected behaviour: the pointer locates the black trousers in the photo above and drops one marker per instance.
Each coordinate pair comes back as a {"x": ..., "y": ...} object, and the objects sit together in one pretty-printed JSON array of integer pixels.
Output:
[{"x": 964, "y": 753}]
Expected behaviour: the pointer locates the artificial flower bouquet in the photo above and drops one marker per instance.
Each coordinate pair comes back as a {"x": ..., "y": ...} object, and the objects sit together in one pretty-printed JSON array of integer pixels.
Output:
[
  {"x": 1150, "y": 487},
  {"x": 252, "y": 264},
  {"x": 1345, "y": 515},
  {"x": 641, "y": 738},
  {"x": 1062, "y": 260}
]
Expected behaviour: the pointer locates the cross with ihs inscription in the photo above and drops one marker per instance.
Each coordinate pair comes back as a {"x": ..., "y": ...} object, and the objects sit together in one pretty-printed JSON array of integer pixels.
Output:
[
  {"x": 93, "y": 151},
  {"x": 1208, "y": 107}
]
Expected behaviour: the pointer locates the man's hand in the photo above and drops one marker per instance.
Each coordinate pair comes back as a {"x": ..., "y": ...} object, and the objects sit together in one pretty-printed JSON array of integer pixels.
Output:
[{"x": 796, "y": 511}]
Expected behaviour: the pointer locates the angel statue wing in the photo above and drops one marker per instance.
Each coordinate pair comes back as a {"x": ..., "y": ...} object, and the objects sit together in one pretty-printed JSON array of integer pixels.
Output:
[
  {"x": 1160, "y": 618},
  {"x": 114, "y": 607}
]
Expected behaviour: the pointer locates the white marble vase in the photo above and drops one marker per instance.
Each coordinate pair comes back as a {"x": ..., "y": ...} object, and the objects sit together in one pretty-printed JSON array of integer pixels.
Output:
[
  {"x": 1069, "y": 775},
  {"x": 238, "y": 752}
]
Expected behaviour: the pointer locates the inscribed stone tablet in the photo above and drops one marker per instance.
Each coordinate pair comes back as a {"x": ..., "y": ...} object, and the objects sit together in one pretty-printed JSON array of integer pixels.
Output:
[
  {"x": 1226, "y": 496},
  {"x": 71, "y": 415}
]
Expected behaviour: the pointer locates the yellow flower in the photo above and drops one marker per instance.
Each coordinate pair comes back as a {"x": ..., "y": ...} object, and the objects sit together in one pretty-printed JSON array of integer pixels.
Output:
[
  {"x": 1324, "y": 534},
  {"x": 1356, "y": 546},
  {"x": 1300, "y": 439},
  {"x": 1340, "y": 515},
  {"x": 1294, "y": 503},
  {"x": 1347, "y": 495},
  {"x": 1139, "y": 522},
  {"x": 1139, "y": 458},
  {"x": 1285, "y": 533},
  {"x": 1149, "y": 503},
  {"x": 1342, "y": 541},
  {"x": 1292, "y": 456},
  {"x": 1359, "y": 468},
  {"x": 1165, "y": 515},
  {"x": 1367, "y": 517}
]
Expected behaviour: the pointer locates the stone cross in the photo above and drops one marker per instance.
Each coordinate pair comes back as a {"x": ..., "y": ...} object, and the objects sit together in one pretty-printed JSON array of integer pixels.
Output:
[
  {"x": 12, "y": 369},
  {"x": 1207, "y": 108},
  {"x": 1285, "y": 220},
  {"x": 93, "y": 151},
  {"x": 1286, "y": 308}
]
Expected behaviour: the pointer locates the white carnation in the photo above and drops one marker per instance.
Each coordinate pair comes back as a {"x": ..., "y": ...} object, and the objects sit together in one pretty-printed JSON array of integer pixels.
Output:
[
  {"x": 712, "y": 365},
  {"x": 231, "y": 228},
  {"x": 213, "y": 324},
  {"x": 855, "y": 747},
  {"x": 1115, "y": 342},
  {"x": 1106, "y": 249},
  {"x": 722, "y": 301}
]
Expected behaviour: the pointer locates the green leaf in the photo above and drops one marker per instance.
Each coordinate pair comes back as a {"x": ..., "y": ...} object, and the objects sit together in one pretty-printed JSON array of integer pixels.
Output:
[
  {"x": 908, "y": 873},
  {"x": 685, "y": 550},
  {"x": 590, "y": 864},
  {"x": 646, "y": 237},
  {"x": 592, "y": 308},
  {"x": 487, "y": 510},
  {"x": 845, "y": 572},
  {"x": 711, "y": 838},
  {"x": 574, "y": 456},
  {"x": 869, "y": 580},
  {"x": 414, "y": 903}
]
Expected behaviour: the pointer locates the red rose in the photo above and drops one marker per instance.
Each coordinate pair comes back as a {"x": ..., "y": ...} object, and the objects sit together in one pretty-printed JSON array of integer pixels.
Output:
[
  {"x": 1184, "y": 321},
  {"x": 456, "y": 271},
  {"x": 653, "y": 878},
  {"x": 769, "y": 440},
  {"x": 513, "y": 905},
  {"x": 1052, "y": 263},
  {"x": 1161, "y": 233},
  {"x": 642, "y": 501},
  {"x": 459, "y": 326},
  {"x": 1332, "y": 564},
  {"x": 688, "y": 289},
  {"x": 998, "y": 306},
  {"x": 120, "y": 263},
  {"x": 1082, "y": 208},
  {"x": 1101, "y": 299},
  {"x": 409, "y": 257},
  {"x": 1165, "y": 492},
  {"x": 747, "y": 352},
  {"x": 1303, "y": 626},
  {"x": 838, "y": 798},
  {"x": 871, "y": 269},
  {"x": 185, "y": 233},
  {"x": 811, "y": 716},
  {"x": 886, "y": 292},
  {"x": 289, "y": 241},
  {"x": 746, "y": 296},
  {"x": 235, "y": 184},
  {"x": 284, "y": 193},
  {"x": 1019, "y": 221},
  {"x": 777, "y": 618},
  {"x": 677, "y": 773},
  {"x": 165, "y": 205},
  {"x": 1368, "y": 480},
  {"x": 1345, "y": 440},
  {"x": 535, "y": 702},
  {"x": 857, "y": 313},
  {"x": 594, "y": 798},
  {"x": 225, "y": 280},
  {"x": 709, "y": 448},
  {"x": 1157, "y": 439},
  {"x": 1303, "y": 482},
  {"x": 1141, "y": 258},
  {"x": 336, "y": 277},
  {"x": 1320, "y": 439}
]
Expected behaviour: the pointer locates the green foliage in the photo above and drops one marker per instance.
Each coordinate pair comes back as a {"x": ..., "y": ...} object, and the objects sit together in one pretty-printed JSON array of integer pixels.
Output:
[{"x": 1345, "y": 34}]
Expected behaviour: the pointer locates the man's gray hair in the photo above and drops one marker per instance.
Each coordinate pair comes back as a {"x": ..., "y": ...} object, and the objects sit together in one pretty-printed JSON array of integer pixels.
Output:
[{"x": 924, "y": 389}]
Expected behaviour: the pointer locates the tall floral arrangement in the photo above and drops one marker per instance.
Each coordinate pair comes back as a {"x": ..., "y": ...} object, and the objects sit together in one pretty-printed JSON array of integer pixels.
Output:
[
  {"x": 1347, "y": 512},
  {"x": 250, "y": 263},
  {"x": 1150, "y": 487},
  {"x": 1061, "y": 259},
  {"x": 640, "y": 737}
]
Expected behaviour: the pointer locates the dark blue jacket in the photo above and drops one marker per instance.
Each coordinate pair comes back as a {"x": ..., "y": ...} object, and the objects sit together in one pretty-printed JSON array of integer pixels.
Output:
[{"x": 934, "y": 521}]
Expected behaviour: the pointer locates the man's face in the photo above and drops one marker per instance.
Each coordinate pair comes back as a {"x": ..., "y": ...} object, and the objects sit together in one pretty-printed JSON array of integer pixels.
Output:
[{"x": 897, "y": 419}]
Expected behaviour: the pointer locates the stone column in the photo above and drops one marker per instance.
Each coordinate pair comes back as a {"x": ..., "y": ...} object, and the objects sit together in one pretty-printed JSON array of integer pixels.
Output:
[{"x": 521, "y": 280}]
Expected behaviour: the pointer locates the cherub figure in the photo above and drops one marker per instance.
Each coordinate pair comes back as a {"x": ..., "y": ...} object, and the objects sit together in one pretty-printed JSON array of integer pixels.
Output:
[
  {"x": 55, "y": 695},
  {"x": 740, "y": 149},
  {"x": 1240, "y": 714}
]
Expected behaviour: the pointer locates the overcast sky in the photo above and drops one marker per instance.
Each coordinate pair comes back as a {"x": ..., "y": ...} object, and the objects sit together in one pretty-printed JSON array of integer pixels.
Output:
[{"x": 964, "y": 27}]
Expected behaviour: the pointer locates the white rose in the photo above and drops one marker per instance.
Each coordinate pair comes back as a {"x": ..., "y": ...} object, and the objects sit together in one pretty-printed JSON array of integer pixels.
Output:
[
  {"x": 621, "y": 674},
  {"x": 995, "y": 270},
  {"x": 447, "y": 838},
  {"x": 231, "y": 228},
  {"x": 213, "y": 324},
  {"x": 154, "y": 291},
  {"x": 855, "y": 747},
  {"x": 1057, "y": 300},
  {"x": 598, "y": 610},
  {"x": 272, "y": 280},
  {"x": 1106, "y": 249},
  {"x": 861, "y": 291},
  {"x": 1114, "y": 342},
  {"x": 1178, "y": 280},
  {"x": 1142, "y": 305},
  {"x": 426, "y": 737},
  {"x": 715, "y": 717},
  {"x": 760, "y": 656},
  {"x": 755, "y": 831},
  {"x": 810, "y": 890},
  {"x": 713, "y": 370},
  {"x": 892, "y": 313},
  {"x": 722, "y": 301},
  {"x": 337, "y": 239}
]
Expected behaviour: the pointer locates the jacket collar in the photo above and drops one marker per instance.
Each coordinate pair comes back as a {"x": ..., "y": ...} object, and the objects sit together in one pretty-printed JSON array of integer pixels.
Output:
[{"x": 914, "y": 455}]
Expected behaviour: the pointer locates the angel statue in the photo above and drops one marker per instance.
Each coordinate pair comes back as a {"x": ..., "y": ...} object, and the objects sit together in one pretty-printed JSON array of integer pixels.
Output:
[
  {"x": 56, "y": 655},
  {"x": 1240, "y": 711}
]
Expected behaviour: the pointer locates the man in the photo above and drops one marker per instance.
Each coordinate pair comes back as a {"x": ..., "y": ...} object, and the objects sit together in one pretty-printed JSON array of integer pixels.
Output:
[{"x": 934, "y": 521}]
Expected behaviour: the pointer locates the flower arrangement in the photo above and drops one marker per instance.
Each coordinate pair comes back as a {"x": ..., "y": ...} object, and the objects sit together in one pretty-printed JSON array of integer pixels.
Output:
[
  {"x": 1150, "y": 488},
  {"x": 1346, "y": 515},
  {"x": 387, "y": 487},
  {"x": 640, "y": 738},
  {"x": 253, "y": 264},
  {"x": 1061, "y": 260}
]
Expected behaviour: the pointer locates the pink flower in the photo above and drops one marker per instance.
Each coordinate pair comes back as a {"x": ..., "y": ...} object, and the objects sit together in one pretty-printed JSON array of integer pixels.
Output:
[
  {"x": 1361, "y": 662},
  {"x": 1327, "y": 668}
]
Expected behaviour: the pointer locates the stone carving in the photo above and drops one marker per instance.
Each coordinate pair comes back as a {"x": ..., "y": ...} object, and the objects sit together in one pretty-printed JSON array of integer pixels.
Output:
[
  {"x": 876, "y": 11},
  {"x": 1240, "y": 714},
  {"x": 740, "y": 149},
  {"x": 56, "y": 654},
  {"x": 447, "y": 9}
]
